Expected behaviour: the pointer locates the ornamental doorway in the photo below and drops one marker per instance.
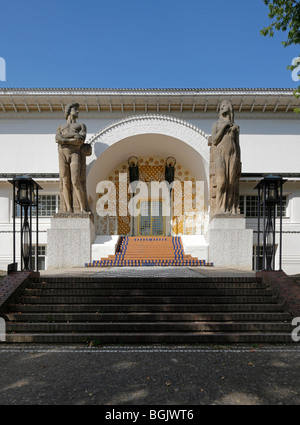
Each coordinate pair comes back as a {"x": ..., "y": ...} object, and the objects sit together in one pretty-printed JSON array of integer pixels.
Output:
[{"x": 151, "y": 220}]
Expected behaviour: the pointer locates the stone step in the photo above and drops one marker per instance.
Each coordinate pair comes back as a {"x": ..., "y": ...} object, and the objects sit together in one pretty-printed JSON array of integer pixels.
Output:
[
  {"x": 150, "y": 255},
  {"x": 146, "y": 308},
  {"x": 150, "y": 246},
  {"x": 143, "y": 260},
  {"x": 152, "y": 338},
  {"x": 155, "y": 252},
  {"x": 148, "y": 262},
  {"x": 143, "y": 317},
  {"x": 140, "y": 280},
  {"x": 163, "y": 300},
  {"x": 133, "y": 244},
  {"x": 98, "y": 292},
  {"x": 150, "y": 327},
  {"x": 161, "y": 251},
  {"x": 131, "y": 284}
]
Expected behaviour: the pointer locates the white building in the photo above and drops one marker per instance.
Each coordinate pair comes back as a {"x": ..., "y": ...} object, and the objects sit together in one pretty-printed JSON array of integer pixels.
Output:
[{"x": 151, "y": 125}]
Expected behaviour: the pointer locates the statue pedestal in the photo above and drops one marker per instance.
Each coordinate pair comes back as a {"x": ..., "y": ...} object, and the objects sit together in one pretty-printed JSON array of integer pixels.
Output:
[
  {"x": 230, "y": 243},
  {"x": 70, "y": 239}
]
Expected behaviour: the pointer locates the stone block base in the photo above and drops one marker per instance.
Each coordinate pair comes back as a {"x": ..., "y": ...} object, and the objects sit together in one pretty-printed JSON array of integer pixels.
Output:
[
  {"x": 230, "y": 243},
  {"x": 70, "y": 239}
]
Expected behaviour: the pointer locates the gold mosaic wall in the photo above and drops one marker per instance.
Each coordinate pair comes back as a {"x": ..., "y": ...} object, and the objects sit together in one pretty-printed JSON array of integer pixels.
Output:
[{"x": 152, "y": 168}]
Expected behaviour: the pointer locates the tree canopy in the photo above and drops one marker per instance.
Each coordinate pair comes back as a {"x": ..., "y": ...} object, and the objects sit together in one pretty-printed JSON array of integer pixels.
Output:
[{"x": 285, "y": 16}]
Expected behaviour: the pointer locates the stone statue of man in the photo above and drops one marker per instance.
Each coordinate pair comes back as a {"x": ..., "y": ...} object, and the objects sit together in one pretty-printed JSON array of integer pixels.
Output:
[
  {"x": 225, "y": 163},
  {"x": 70, "y": 138}
]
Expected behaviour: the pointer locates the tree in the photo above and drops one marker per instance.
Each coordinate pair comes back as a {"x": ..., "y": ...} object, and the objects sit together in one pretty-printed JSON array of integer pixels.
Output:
[
  {"x": 286, "y": 17},
  {"x": 287, "y": 14}
]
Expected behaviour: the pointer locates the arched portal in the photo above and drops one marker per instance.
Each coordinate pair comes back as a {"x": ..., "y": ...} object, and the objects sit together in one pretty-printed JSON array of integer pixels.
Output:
[{"x": 149, "y": 137}]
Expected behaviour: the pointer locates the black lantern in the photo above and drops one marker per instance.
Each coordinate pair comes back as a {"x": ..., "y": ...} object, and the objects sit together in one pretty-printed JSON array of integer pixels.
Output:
[
  {"x": 134, "y": 176},
  {"x": 269, "y": 196},
  {"x": 170, "y": 169},
  {"x": 133, "y": 169},
  {"x": 25, "y": 195},
  {"x": 169, "y": 177}
]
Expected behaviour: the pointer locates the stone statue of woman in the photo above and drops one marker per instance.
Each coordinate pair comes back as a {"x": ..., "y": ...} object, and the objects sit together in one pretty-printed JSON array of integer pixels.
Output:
[{"x": 225, "y": 163}]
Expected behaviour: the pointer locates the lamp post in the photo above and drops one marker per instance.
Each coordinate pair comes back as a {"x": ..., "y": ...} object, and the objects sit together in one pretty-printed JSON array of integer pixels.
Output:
[
  {"x": 25, "y": 194},
  {"x": 269, "y": 195},
  {"x": 169, "y": 177},
  {"x": 134, "y": 174}
]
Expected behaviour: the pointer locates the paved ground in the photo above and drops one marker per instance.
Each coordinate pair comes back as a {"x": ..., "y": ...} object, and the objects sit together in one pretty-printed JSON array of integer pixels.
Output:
[
  {"x": 155, "y": 375},
  {"x": 149, "y": 272}
]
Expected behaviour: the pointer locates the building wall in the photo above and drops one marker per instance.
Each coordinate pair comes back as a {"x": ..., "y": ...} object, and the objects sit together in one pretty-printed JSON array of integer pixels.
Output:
[
  {"x": 290, "y": 225},
  {"x": 268, "y": 144},
  {"x": 6, "y": 222}
]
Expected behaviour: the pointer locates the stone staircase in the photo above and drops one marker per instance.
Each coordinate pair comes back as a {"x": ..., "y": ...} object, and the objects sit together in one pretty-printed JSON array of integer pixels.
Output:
[
  {"x": 136, "y": 310},
  {"x": 149, "y": 251}
]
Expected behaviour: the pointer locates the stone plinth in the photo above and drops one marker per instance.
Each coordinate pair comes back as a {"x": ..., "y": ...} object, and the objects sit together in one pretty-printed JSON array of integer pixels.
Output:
[
  {"x": 230, "y": 243},
  {"x": 70, "y": 239}
]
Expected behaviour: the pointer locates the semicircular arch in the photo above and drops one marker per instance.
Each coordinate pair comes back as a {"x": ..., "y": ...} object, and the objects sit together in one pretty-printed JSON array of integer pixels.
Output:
[
  {"x": 153, "y": 124},
  {"x": 148, "y": 134}
]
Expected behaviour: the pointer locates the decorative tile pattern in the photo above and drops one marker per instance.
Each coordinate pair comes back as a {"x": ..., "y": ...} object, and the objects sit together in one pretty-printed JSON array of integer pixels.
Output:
[
  {"x": 152, "y": 168},
  {"x": 149, "y": 251}
]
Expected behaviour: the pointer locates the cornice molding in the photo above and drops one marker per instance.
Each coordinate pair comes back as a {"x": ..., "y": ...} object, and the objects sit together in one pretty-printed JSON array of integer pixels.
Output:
[
  {"x": 148, "y": 91},
  {"x": 30, "y": 101}
]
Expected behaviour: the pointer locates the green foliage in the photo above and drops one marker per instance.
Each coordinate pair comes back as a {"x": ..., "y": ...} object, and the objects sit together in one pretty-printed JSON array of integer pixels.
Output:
[{"x": 285, "y": 16}]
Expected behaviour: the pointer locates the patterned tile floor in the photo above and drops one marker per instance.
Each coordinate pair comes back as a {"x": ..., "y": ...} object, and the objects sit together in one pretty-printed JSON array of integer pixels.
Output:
[
  {"x": 145, "y": 271},
  {"x": 149, "y": 271}
]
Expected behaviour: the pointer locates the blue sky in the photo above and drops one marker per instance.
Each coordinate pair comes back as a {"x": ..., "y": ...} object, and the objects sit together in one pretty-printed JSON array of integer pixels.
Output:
[{"x": 141, "y": 44}]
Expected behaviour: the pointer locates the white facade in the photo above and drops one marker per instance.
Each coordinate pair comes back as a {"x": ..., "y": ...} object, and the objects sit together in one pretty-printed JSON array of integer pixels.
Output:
[{"x": 145, "y": 123}]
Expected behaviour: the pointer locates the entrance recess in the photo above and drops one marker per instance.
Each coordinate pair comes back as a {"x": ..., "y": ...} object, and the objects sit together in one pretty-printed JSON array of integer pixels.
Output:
[{"x": 151, "y": 221}]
